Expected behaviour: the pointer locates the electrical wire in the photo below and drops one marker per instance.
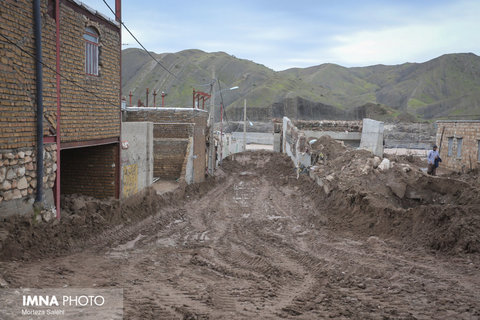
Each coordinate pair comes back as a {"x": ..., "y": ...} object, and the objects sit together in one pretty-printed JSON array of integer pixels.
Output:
[{"x": 151, "y": 56}]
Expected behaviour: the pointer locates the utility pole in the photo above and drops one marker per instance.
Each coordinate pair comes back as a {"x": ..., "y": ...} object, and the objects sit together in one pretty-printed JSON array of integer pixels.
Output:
[
  {"x": 211, "y": 146},
  {"x": 245, "y": 125}
]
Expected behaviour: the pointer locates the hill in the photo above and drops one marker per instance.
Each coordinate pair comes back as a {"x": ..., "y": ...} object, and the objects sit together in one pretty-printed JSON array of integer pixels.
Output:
[{"x": 445, "y": 87}]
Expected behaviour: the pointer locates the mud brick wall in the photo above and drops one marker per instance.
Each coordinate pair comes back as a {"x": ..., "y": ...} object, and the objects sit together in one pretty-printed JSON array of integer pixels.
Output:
[
  {"x": 89, "y": 171},
  {"x": 90, "y": 108},
  {"x": 18, "y": 172},
  {"x": 172, "y": 130},
  {"x": 469, "y": 132},
  {"x": 169, "y": 158}
]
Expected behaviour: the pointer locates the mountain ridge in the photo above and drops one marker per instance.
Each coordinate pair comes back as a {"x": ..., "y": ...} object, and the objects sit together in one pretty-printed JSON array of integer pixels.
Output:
[{"x": 445, "y": 87}]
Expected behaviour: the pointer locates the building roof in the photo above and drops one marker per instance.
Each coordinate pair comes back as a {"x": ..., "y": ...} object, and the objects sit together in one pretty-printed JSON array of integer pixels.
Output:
[{"x": 96, "y": 13}]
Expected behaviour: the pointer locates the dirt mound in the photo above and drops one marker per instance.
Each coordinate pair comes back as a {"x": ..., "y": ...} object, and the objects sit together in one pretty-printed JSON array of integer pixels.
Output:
[
  {"x": 397, "y": 199},
  {"x": 83, "y": 219}
]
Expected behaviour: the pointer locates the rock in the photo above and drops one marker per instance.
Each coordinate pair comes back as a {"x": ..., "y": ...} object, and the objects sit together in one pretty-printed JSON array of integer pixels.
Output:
[
  {"x": 48, "y": 215},
  {"x": 33, "y": 183},
  {"x": 30, "y": 190},
  {"x": 29, "y": 166},
  {"x": 54, "y": 167},
  {"x": 11, "y": 174},
  {"x": 22, "y": 183},
  {"x": 6, "y": 185},
  {"x": 9, "y": 156},
  {"x": 7, "y": 196},
  {"x": 385, "y": 164},
  {"x": 28, "y": 153},
  {"x": 20, "y": 171},
  {"x": 17, "y": 194},
  {"x": 24, "y": 192},
  {"x": 13, "y": 162},
  {"x": 376, "y": 162},
  {"x": 3, "y": 283},
  {"x": 330, "y": 177},
  {"x": 3, "y": 174},
  {"x": 21, "y": 155},
  {"x": 398, "y": 188},
  {"x": 14, "y": 184},
  {"x": 78, "y": 205},
  {"x": 28, "y": 159}
]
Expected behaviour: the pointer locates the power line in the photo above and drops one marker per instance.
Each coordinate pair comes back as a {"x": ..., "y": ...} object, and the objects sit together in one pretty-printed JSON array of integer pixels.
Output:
[
  {"x": 54, "y": 70},
  {"x": 151, "y": 56}
]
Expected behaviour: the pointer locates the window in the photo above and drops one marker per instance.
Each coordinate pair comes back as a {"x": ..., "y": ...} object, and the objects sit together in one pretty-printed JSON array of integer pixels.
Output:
[
  {"x": 91, "y": 51},
  {"x": 450, "y": 147},
  {"x": 459, "y": 147}
]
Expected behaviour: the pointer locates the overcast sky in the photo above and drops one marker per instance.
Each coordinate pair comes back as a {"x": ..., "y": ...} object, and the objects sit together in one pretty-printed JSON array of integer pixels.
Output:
[{"x": 283, "y": 34}]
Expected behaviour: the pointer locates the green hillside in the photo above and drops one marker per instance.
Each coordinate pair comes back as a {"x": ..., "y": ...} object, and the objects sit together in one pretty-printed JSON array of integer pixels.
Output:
[{"x": 445, "y": 87}]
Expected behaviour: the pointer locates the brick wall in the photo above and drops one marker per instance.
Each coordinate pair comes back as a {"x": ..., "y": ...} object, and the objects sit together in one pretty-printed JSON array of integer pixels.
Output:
[
  {"x": 169, "y": 158},
  {"x": 90, "y": 108},
  {"x": 172, "y": 130},
  {"x": 469, "y": 133},
  {"x": 89, "y": 171},
  {"x": 96, "y": 114}
]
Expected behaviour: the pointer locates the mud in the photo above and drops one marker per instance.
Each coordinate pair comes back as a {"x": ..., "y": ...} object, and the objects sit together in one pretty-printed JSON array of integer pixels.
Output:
[{"x": 257, "y": 242}]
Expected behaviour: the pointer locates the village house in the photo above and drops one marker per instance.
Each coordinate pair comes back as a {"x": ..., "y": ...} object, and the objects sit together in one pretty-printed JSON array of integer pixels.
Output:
[
  {"x": 77, "y": 84},
  {"x": 459, "y": 144}
]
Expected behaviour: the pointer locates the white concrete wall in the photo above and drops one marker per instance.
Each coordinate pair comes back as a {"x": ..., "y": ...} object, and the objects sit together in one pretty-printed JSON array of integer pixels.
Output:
[
  {"x": 372, "y": 136},
  {"x": 136, "y": 157}
]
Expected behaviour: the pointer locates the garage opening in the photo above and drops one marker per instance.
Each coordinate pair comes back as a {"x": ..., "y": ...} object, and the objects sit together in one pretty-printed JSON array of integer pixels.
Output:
[{"x": 90, "y": 171}]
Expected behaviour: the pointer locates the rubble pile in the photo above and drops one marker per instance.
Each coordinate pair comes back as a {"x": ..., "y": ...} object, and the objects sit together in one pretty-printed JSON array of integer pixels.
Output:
[{"x": 394, "y": 197}]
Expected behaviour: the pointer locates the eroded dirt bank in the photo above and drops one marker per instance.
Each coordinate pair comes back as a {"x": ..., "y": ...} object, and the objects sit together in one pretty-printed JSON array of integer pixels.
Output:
[{"x": 258, "y": 243}]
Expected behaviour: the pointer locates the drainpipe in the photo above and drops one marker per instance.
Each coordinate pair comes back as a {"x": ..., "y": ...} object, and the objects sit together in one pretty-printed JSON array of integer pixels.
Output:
[
  {"x": 39, "y": 87},
  {"x": 57, "y": 40},
  {"x": 118, "y": 18}
]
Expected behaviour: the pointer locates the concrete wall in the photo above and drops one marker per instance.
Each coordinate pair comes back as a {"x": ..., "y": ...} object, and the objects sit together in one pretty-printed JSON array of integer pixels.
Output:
[
  {"x": 464, "y": 155},
  {"x": 295, "y": 144},
  {"x": 179, "y": 142},
  {"x": 372, "y": 136},
  {"x": 254, "y": 137},
  {"x": 136, "y": 157}
]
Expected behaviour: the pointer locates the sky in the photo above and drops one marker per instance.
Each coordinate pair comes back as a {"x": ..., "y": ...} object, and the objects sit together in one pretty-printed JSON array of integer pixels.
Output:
[{"x": 285, "y": 34}]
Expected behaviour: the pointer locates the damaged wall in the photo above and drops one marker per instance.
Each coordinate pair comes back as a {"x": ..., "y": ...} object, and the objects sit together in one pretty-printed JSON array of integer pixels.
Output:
[{"x": 179, "y": 145}]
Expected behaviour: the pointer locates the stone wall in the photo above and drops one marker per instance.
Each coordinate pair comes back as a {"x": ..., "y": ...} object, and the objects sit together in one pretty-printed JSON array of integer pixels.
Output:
[
  {"x": 18, "y": 176},
  {"x": 449, "y": 135}
]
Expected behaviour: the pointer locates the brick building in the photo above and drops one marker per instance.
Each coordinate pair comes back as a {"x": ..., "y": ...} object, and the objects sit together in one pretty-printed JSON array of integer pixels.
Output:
[
  {"x": 459, "y": 144},
  {"x": 81, "y": 102}
]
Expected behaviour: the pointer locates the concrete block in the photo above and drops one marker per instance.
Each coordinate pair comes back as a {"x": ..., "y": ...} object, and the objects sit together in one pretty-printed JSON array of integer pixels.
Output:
[{"x": 372, "y": 136}]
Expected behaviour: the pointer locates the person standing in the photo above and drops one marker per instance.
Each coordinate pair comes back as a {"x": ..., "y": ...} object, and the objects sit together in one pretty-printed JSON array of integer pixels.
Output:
[{"x": 433, "y": 158}]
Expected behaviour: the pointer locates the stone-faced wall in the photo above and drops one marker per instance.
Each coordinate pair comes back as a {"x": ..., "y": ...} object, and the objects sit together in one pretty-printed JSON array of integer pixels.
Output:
[
  {"x": 462, "y": 139},
  {"x": 18, "y": 175},
  {"x": 179, "y": 145}
]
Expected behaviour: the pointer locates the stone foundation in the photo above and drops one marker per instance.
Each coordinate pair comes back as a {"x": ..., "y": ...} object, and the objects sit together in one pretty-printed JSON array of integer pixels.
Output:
[{"x": 18, "y": 175}]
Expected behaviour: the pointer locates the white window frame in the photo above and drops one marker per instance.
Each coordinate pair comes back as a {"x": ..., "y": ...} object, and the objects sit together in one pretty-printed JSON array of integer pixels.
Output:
[{"x": 91, "y": 38}]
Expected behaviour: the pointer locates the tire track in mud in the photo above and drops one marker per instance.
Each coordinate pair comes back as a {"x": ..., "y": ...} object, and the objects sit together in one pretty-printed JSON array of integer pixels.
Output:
[{"x": 255, "y": 246}]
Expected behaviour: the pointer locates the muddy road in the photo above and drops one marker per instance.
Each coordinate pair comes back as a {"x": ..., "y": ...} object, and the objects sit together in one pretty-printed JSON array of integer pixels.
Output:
[{"x": 259, "y": 245}]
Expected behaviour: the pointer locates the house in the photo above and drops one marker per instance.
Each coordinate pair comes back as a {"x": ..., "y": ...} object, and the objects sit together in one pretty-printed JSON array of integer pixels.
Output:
[
  {"x": 459, "y": 144},
  {"x": 73, "y": 73}
]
